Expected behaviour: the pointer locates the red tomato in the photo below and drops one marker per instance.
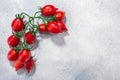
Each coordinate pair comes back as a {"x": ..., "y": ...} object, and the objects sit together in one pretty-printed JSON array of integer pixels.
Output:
[
  {"x": 18, "y": 65},
  {"x": 17, "y": 25},
  {"x": 53, "y": 27},
  {"x": 30, "y": 38},
  {"x": 12, "y": 55},
  {"x": 42, "y": 28},
  {"x": 59, "y": 15},
  {"x": 62, "y": 26},
  {"x": 29, "y": 65},
  {"x": 24, "y": 55},
  {"x": 13, "y": 41},
  {"x": 48, "y": 10}
]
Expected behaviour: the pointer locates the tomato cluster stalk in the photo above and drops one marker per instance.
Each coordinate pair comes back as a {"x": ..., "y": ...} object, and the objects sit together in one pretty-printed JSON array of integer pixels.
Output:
[{"x": 24, "y": 30}]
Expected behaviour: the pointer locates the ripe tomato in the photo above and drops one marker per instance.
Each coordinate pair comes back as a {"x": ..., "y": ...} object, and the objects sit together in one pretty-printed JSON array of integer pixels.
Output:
[
  {"x": 48, "y": 10},
  {"x": 24, "y": 55},
  {"x": 59, "y": 15},
  {"x": 12, "y": 55},
  {"x": 30, "y": 38},
  {"x": 17, "y": 25},
  {"x": 53, "y": 27},
  {"x": 18, "y": 65},
  {"x": 13, "y": 41},
  {"x": 42, "y": 28},
  {"x": 29, "y": 65},
  {"x": 62, "y": 26}
]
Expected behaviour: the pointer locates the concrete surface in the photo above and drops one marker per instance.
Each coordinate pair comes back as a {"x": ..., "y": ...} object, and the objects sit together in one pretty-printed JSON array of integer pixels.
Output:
[{"x": 90, "y": 50}]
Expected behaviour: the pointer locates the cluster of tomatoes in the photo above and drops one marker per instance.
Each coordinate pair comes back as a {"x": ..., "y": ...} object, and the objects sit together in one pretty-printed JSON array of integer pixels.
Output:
[
  {"x": 24, "y": 34},
  {"x": 56, "y": 25},
  {"x": 20, "y": 56}
]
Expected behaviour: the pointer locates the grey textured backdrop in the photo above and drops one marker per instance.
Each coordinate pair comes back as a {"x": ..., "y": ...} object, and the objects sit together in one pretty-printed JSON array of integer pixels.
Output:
[{"x": 89, "y": 51}]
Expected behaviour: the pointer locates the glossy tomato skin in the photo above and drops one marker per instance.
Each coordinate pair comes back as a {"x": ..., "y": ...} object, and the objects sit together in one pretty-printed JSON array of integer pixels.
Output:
[
  {"x": 24, "y": 55},
  {"x": 30, "y": 38},
  {"x": 17, "y": 25},
  {"x": 13, "y": 41},
  {"x": 53, "y": 27},
  {"x": 12, "y": 55},
  {"x": 42, "y": 28},
  {"x": 62, "y": 26},
  {"x": 59, "y": 15},
  {"x": 29, "y": 65},
  {"x": 48, "y": 10},
  {"x": 18, "y": 65}
]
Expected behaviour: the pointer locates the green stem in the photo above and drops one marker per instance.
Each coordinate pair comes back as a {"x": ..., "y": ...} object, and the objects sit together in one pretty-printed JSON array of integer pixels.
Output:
[
  {"x": 16, "y": 34},
  {"x": 37, "y": 13},
  {"x": 45, "y": 21},
  {"x": 23, "y": 13},
  {"x": 16, "y": 49},
  {"x": 24, "y": 44}
]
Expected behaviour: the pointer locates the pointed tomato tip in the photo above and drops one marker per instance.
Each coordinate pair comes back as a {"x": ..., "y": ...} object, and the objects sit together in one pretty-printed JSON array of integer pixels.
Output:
[
  {"x": 28, "y": 71},
  {"x": 16, "y": 69},
  {"x": 56, "y": 8},
  {"x": 66, "y": 29}
]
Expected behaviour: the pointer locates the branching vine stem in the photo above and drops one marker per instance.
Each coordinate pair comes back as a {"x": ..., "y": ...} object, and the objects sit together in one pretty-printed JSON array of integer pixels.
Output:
[{"x": 29, "y": 25}]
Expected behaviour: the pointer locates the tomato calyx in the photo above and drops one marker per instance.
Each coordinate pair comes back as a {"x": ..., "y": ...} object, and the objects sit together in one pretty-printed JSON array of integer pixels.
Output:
[
  {"x": 16, "y": 49},
  {"x": 20, "y": 16},
  {"x": 17, "y": 34}
]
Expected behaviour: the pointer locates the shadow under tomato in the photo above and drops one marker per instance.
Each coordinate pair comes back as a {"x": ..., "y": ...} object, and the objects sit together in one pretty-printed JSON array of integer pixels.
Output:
[
  {"x": 57, "y": 39},
  {"x": 20, "y": 71},
  {"x": 35, "y": 45},
  {"x": 32, "y": 72},
  {"x": 11, "y": 63}
]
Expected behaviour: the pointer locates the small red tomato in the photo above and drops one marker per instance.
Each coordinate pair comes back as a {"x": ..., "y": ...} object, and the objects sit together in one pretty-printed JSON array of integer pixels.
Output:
[
  {"x": 18, "y": 65},
  {"x": 29, "y": 65},
  {"x": 62, "y": 26},
  {"x": 12, "y": 55},
  {"x": 42, "y": 28},
  {"x": 13, "y": 41},
  {"x": 24, "y": 55},
  {"x": 59, "y": 15},
  {"x": 48, "y": 10},
  {"x": 53, "y": 27},
  {"x": 30, "y": 38},
  {"x": 17, "y": 25}
]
